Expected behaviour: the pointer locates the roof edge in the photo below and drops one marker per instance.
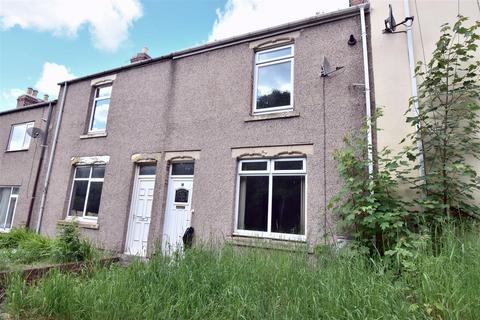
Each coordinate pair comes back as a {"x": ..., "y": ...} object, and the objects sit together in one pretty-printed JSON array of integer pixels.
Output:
[
  {"x": 256, "y": 35},
  {"x": 29, "y": 107}
]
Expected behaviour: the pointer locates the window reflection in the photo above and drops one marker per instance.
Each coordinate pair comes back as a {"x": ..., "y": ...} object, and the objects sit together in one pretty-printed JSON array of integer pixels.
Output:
[
  {"x": 274, "y": 80},
  {"x": 101, "y": 104},
  {"x": 274, "y": 85}
]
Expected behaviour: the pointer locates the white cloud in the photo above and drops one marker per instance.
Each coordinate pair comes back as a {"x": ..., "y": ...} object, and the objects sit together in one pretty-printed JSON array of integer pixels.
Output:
[
  {"x": 242, "y": 16},
  {"x": 8, "y": 98},
  {"x": 12, "y": 93},
  {"x": 51, "y": 75},
  {"x": 107, "y": 20}
]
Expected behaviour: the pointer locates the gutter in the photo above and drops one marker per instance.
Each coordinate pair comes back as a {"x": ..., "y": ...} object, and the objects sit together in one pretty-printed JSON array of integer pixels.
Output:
[
  {"x": 29, "y": 107},
  {"x": 368, "y": 106},
  {"x": 40, "y": 163},
  {"x": 50, "y": 161},
  {"x": 245, "y": 38},
  {"x": 413, "y": 88}
]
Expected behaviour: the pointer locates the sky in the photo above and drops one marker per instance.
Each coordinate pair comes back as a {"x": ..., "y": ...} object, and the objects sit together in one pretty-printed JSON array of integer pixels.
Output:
[{"x": 43, "y": 42}]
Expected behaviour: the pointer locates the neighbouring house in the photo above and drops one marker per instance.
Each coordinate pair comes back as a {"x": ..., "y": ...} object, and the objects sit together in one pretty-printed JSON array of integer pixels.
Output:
[
  {"x": 21, "y": 170},
  {"x": 392, "y": 65},
  {"x": 233, "y": 138}
]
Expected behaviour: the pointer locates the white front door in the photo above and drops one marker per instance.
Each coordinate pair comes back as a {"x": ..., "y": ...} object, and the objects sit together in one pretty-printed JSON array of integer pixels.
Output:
[
  {"x": 178, "y": 214},
  {"x": 140, "y": 214}
]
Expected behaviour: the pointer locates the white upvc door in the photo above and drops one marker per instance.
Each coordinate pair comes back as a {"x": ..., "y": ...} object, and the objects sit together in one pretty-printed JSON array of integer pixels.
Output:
[
  {"x": 140, "y": 215},
  {"x": 178, "y": 214}
]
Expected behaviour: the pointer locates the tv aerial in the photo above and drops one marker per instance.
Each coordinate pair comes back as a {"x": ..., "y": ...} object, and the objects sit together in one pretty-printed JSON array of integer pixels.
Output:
[
  {"x": 34, "y": 132},
  {"x": 327, "y": 69},
  {"x": 390, "y": 23}
]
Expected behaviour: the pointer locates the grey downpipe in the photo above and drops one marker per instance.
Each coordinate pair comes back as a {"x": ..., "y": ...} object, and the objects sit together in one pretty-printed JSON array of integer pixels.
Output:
[
  {"x": 50, "y": 161},
  {"x": 39, "y": 167},
  {"x": 413, "y": 87},
  {"x": 368, "y": 104}
]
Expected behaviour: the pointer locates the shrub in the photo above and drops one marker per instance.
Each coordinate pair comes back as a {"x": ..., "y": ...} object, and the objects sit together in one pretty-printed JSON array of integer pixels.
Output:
[
  {"x": 70, "y": 247},
  {"x": 368, "y": 206},
  {"x": 13, "y": 238},
  {"x": 22, "y": 246},
  {"x": 447, "y": 125}
]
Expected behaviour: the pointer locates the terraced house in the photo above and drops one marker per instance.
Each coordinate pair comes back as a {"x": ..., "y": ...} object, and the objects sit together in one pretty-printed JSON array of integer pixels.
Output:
[{"x": 233, "y": 138}]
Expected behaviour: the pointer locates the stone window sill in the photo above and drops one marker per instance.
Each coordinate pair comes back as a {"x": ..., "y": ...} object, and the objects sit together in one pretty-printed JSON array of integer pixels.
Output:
[
  {"x": 80, "y": 223},
  {"x": 264, "y": 243},
  {"x": 93, "y": 135},
  {"x": 17, "y": 150},
  {"x": 271, "y": 116}
]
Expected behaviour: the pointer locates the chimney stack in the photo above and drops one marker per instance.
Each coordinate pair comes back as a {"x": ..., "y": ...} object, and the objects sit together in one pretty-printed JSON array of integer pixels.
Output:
[
  {"x": 45, "y": 97},
  {"x": 30, "y": 97},
  {"x": 141, "y": 56}
]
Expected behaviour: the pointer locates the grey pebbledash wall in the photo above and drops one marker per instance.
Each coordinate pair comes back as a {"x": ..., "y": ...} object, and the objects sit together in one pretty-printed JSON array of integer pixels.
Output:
[
  {"x": 19, "y": 168},
  {"x": 203, "y": 102}
]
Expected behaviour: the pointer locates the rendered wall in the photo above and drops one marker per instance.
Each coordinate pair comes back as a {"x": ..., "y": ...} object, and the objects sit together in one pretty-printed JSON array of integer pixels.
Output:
[
  {"x": 202, "y": 103},
  {"x": 390, "y": 57}
]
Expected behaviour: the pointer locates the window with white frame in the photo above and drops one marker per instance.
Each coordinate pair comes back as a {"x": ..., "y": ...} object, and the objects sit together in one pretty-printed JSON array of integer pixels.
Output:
[
  {"x": 101, "y": 104},
  {"x": 8, "y": 203},
  {"x": 19, "y": 138},
  {"x": 273, "y": 80},
  {"x": 271, "y": 198},
  {"x": 86, "y": 191}
]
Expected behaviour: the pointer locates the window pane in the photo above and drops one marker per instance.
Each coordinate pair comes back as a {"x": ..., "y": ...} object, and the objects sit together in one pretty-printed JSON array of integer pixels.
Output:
[
  {"x": 82, "y": 172},
  {"x": 15, "y": 190},
  {"x": 253, "y": 204},
  {"x": 274, "y": 85},
  {"x": 147, "y": 169},
  {"x": 4, "y": 200},
  {"x": 283, "y": 52},
  {"x": 79, "y": 194},
  {"x": 11, "y": 210},
  {"x": 98, "y": 171},
  {"x": 104, "y": 92},
  {"x": 183, "y": 168},
  {"x": 26, "y": 140},
  {"x": 17, "y": 136},
  {"x": 252, "y": 166},
  {"x": 99, "y": 121},
  {"x": 289, "y": 165},
  {"x": 288, "y": 205},
  {"x": 94, "y": 196}
]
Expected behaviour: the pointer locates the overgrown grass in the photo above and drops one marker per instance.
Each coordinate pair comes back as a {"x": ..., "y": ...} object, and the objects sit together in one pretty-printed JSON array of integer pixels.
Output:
[
  {"x": 257, "y": 284},
  {"x": 21, "y": 247}
]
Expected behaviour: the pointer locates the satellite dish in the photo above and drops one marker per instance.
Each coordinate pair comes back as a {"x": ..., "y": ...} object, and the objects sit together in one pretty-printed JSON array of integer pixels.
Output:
[
  {"x": 34, "y": 132},
  {"x": 390, "y": 24},
  {"x": 327, "y": 69}
]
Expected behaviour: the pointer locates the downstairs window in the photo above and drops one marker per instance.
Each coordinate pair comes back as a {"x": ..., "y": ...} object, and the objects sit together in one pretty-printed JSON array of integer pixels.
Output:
[
  {"x": 271, "y": 198},
  {"x": 8, "y": 203},
  {"x": 86, "y": 191}
]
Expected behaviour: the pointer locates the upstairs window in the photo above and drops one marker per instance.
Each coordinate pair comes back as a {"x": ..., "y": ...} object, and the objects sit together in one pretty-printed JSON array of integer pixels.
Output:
[
  {"x": 8, "y": 203},
  {"x": 271, "y": 198},
  {"x": 19, "y": 138},
  {"x": 101, "y": 104},
  {"x": 86, "y": 191},
  {"x": 273, "y": 80}
]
